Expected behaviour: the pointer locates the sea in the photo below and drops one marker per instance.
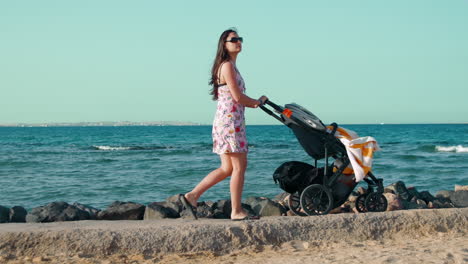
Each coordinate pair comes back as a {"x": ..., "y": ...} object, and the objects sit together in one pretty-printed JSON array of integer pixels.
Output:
[{"x": 97, "y": 165}]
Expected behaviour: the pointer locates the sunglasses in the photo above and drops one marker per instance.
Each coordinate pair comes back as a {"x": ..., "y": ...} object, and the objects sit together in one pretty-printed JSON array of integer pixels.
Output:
[{"x": 235, "y": 40}]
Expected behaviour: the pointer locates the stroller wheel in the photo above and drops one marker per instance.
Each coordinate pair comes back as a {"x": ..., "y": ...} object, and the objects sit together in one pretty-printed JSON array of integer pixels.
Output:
[
  {"x": 316, "y": 199},
  {"x": 376, "y": 202},
  {"x": 361, "y": 203},
  {"x": 294, "y": 203}
]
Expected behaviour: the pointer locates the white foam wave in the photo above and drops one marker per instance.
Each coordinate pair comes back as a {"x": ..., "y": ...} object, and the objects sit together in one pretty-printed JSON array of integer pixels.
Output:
[
  {"x": 111, "y": 148},
  {"x": 457, "y": 149}
]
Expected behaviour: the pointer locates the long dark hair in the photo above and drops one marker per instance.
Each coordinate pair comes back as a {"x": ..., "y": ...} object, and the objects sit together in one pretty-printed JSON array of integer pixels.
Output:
[{"x": 221, "y": 56}]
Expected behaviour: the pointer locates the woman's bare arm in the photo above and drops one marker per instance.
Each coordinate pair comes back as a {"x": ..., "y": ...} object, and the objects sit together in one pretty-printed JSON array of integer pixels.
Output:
[{"x": 229, "y": 74}]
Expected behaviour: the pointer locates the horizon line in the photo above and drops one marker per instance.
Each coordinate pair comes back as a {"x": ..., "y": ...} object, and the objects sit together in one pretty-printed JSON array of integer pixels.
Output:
[{"x": 177, "y": 123}]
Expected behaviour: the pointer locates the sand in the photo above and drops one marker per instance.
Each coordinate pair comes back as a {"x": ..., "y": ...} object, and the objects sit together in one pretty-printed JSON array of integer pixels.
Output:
[{"x": 413, "y": 236}]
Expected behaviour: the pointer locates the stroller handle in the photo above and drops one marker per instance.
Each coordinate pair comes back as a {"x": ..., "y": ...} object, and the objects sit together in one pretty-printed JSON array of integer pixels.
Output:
[{"x": 277, "y": 108}]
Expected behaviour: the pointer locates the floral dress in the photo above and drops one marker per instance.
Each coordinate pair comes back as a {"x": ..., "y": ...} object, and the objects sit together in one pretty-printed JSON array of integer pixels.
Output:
[{"x": 229, "y": 134}]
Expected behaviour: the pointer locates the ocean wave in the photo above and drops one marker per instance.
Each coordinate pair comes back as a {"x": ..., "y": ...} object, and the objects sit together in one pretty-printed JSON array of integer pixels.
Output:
[
  {"x": 427, "y": 148},
  {"x": 110, "y": 148},
  {"x": 457, "y": 149},
  {"x": 103, "y": 147}
]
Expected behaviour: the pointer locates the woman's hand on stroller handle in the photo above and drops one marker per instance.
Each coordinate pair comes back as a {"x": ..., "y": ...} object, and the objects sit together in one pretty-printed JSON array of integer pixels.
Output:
[{"x": 263, "y": 99}]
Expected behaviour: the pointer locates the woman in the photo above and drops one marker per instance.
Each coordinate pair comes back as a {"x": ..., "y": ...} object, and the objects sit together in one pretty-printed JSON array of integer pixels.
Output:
[{"x": 229, "y": 138}]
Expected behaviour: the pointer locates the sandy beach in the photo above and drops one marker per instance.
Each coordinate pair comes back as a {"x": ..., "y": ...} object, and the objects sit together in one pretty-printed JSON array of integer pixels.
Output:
[{"x": 423, "y": 236}]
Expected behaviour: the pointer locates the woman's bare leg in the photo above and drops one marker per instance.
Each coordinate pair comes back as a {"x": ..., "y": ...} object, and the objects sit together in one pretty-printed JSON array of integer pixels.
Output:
[
  {"x": 224, "y": 171},
  {"x": 239, "y": 165}
]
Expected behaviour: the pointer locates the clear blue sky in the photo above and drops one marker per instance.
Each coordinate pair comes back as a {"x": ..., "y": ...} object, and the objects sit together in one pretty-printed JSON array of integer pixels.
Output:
[{"x": 347, "y": 61}]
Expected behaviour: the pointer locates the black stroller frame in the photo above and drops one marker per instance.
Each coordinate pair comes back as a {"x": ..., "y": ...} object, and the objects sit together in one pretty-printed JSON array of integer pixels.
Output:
[{"x": 325, "y": 193}]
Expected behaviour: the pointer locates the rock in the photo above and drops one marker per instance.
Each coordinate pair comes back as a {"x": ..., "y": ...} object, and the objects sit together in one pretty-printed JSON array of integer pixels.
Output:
[
  {"x": 459, "y": 198},
  {"x": 409, "y": 205},
  {"x": 185, "y": 214},
  {"x": 282, "y": 199},
  {"x": 426, "y": 196},
  {"x": 393, "y": 202},
  {"x": 173, "y": 199},
  {"x": 399, "y": 189},
  {"x": 4, "y": 214},
  {"x": 421, "y": 203},
  {"x": 413, "y": 192},
  {"x": 444, "y": 194},
  {"x": 205, "y": 210},
  {"x": 461, "y": 187},
  {"x": 263, "y": 206},
  {"x": 91, "y": 210},
  {"x": 271, "y": 208},
  {"x": 174, "y": 203},
  {"x": 157, "y": 210},
  {"x": 413, "y": 205},
  {"x": 440, "y": 203},
  {"x": 222, "y": 209},
  {"x": 56, "y": 211},
  {"x": 255, "y": 203},
  {"x": 122, "y": 211},
  {"x": 174, "y": 206},
  {"x": 18, "y": 214}
]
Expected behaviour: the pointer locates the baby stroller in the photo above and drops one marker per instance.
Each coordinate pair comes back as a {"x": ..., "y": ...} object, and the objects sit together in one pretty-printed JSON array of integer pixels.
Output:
[{"x": 316, "y": 191}]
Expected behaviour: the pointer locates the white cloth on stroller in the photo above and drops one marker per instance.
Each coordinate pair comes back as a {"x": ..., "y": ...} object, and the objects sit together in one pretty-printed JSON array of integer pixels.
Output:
[{"x": 360, "y": 152}]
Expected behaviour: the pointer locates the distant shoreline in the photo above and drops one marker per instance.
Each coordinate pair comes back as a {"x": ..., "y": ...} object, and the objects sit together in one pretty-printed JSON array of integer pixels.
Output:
[
  {"x": 102, "y": 124},
  {"x": 174, "y": 123}
]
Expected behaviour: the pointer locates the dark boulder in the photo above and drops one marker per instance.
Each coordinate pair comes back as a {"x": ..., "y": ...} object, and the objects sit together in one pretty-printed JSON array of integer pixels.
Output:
[
  {"x": 426, "y": 196},
  {"x": 56, "y": 211},
  {"x": 122, "y": 211},
  {"x": 4, "y": 214},
  {"x": 421, "y": 203},
  {"x": 175, "y": 206},
  {"x": 263, "y": 206},
  {"x": 412, "y": 205},
  {"x": 413, "y": 193},
  {"x": 205, "y": 209},
  {"x": 175, "y": 201},
  {"x": 444, "y": 194},
  {"x": 399, "y": 189},
  {"x": 222, "y": 209},
  {"x": 159, "y": 210},
  {"x": 91, "y": 210},
  {"x": 18, "y": 214},
  {"x": 440, "y": 203}
]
